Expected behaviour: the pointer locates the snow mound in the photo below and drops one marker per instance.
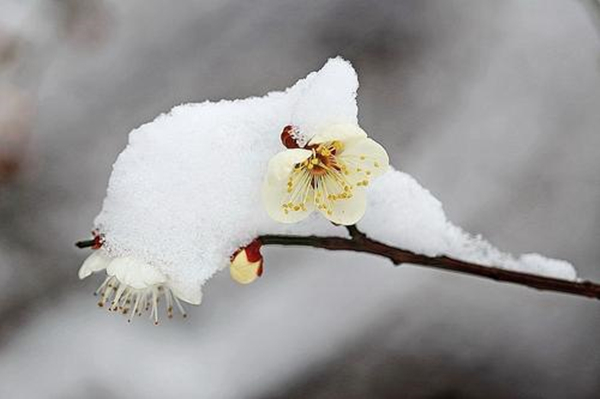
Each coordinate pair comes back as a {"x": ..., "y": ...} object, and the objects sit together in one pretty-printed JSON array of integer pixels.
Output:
[{"x": 406, "y": 215}]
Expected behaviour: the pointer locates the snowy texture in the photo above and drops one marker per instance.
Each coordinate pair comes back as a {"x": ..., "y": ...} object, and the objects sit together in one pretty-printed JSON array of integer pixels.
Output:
[
  {"x": 186, "y": 192},
  {"x": 404, "y": 214}
]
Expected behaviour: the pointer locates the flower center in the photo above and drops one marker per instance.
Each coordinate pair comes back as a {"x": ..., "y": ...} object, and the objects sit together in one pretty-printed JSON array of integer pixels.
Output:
[{"x": 321, "y": 178}]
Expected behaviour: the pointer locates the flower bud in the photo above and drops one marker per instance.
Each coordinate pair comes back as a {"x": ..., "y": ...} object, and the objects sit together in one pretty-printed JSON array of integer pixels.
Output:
[
  {"x": 291, "y": 137},
  {"x": 247, "y": 263}
]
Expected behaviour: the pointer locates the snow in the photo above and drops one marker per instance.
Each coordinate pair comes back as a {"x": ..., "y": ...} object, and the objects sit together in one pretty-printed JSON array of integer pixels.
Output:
[
  {"x": 185, "y": 192},
  {"x": 404, "y": 214}
]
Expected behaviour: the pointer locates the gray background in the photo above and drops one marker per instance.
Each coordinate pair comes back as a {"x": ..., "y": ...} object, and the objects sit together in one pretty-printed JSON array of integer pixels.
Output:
[{"x": 492, "y": 105}]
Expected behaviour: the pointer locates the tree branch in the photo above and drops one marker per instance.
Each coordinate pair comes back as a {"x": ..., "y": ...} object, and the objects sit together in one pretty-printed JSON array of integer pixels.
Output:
[
  {"x": 85, "y": 243},
  {"x": 359, "y": 242}
]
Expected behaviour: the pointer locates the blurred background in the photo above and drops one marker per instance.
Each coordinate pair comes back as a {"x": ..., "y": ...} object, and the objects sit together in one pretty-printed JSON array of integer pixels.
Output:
[{"x": 492, "y": 105}]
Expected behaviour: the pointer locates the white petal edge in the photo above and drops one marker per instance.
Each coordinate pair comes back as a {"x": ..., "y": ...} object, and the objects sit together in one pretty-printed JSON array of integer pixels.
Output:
[
  {"x": 274, "y": 190},
  {"x": 135, "y": 273},
  {"x": 282, "y": 164},
  {"x": 190, "y": 293},
  {"x": 348, "y": 211},
  {"x": 96, "y": 262},
  {"x": 338, "y": 132},
  {"x": 373, "y": 152},
  {"x": 274, "y": 196}
]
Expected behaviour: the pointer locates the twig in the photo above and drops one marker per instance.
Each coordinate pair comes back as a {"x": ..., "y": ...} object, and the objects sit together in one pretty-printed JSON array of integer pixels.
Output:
[
  {"x": 85, "y": 243},
  {"x": 359, "y": 242}
]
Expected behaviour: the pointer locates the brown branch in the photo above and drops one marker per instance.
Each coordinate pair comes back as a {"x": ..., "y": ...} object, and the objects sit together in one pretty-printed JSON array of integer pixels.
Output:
[
  {"x": 359, "y": 242},
  {"x": 85, "y": 243}
]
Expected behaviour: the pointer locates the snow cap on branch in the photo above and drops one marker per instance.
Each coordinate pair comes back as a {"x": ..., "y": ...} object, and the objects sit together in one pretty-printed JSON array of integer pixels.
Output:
[{"x": 185, "y": 194}]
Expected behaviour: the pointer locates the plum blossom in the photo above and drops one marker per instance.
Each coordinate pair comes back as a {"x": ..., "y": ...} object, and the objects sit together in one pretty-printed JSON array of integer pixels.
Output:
[
  {"x": 329, "y": 174},
  {"x": 133, "y": 287}
]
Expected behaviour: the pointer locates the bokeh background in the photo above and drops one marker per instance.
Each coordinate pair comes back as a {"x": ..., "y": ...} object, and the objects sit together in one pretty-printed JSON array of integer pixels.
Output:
[{"x": 492, "y": 105}]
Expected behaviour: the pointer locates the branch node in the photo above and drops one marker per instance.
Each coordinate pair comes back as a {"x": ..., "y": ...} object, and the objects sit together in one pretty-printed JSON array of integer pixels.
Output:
[{"x": 355, "y": 233}]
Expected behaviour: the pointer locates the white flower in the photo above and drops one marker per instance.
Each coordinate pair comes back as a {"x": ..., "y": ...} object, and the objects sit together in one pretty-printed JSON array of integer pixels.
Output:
[
  {"x": 329, "y": 174},
  {"x": 133, "y": 287}
]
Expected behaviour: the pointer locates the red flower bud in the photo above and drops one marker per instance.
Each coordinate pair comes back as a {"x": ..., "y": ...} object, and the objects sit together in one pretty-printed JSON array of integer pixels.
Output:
[{"x": 288, "y": 137}]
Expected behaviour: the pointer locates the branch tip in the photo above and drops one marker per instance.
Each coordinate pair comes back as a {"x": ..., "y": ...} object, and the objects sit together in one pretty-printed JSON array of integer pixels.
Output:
[{"x": 85, "y": 243}]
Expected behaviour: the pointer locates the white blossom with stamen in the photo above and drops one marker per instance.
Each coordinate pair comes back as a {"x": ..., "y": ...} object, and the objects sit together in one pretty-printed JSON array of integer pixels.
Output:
[
  {"x": 330, "y": 175},
  {"x": 133, "y": 287}
]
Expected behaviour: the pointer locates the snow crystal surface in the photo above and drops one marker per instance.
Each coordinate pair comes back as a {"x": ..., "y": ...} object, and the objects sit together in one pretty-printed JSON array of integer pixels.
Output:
[
  {"x": 404, "y": 214},
  {"x": 185, "y": 192}
]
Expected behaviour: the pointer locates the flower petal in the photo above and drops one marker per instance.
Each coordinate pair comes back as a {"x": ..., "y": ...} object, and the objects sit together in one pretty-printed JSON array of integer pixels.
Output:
[
  {"x": 97, "y": 261},
  {"x": 275, "y": 187},
  {"x": 338, "y": 132},
  {"x": 135, "y": 273},
  {"x": 188, "y": 292},
  {"x": 275, "y": 195},
  {"x": 282, "y": 164},
  {"x": 365, "y": 159},
  {"x": 348, "y": 211}
]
